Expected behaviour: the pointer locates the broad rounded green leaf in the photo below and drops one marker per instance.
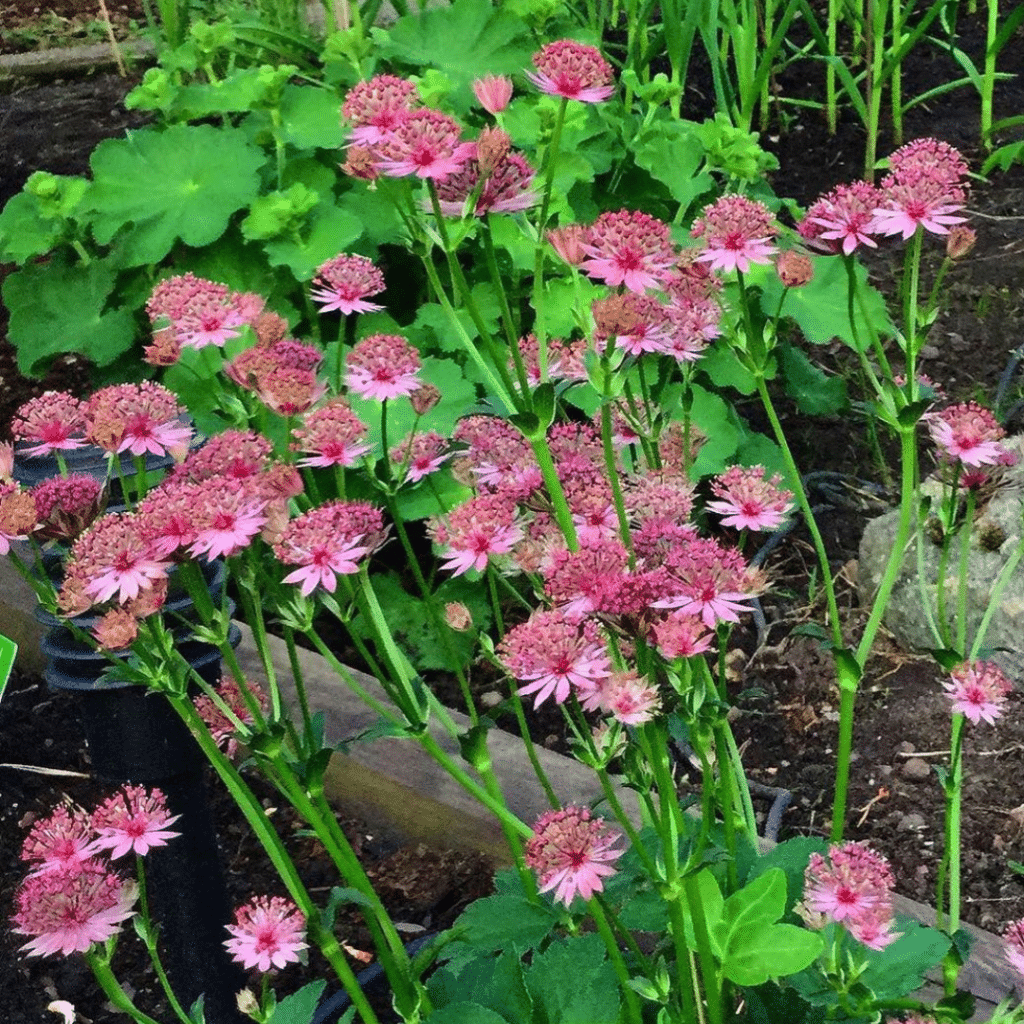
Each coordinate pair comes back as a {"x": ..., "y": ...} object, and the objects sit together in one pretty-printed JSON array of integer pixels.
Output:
[
  {"x": 465, "y": 1013},
  {"x": 331, "y": 231},
  {"x": 183, "y": 183},
  {"x": 774, "y": 951},
  {"x": 23, "y": 232},
  {"x": 311, "y": 117}
]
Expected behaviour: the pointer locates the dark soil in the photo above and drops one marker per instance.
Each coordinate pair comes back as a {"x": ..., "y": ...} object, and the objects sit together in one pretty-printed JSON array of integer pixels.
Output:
[
  {"x": 33, "y": 25},
  {"x": 784, "y": 683}
]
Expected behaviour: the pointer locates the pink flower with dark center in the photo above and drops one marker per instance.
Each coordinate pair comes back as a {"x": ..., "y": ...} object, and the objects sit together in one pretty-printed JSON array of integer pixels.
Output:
[
  {"x": 64, "y": 841},
  {"x": 969, "y": 434},
  {"x": 332, "y": 435},
  {"x": 268, "y": 932},
  {"x": 234, "y": 454},
  {"x": 138, "y": 418},
  {"x": 693, "y": 323},
  {"x": 1013, "y": 945},
  {"x": 113, "y": 558},
  {"x": 680, "y": 635},
  {"x": 640, "y": 324},
  {"x": 167, "y": 516},
  {"x": 571, "y": 853},
  {"x": 290, "y": 390},
  {"x": 627, "y": 697},
  {"x": 421, "y": 455},
  {"x": 749, "y": 499},
  {"x": 842, "y": 219},
  {"x": 344, "y": 282},
  {"x": 201, "y": 312},
  {"x": 383, "y": 366},
  {"x": 708, "y": 580},
  {"x": 630, "y": 248},
  {"x": 67, "y": 911},
  {"x": 377, "y": 106},
  {"x": 923, "y": 189},
  {"x": 425, "y": 143},
  {"x": 554, "y": 656},
  {"x": 227, "y": 518},
  {"x": 248, "y": 368},
  {"x": 576, "y": 581},
  {"x": 573, "y": 70},
  {"x": 52, "y": 422},
  {"x": 133, "y": 821},
  {"x": 66, "y": 505},
  {"x": 508, "y": 188},
  {"x": 735, "y": 231},
  {"x": 329, "y": 541},
  {"x": 474, "y": 531},
  {"x": 493, "y": 92},
  {"x": 978, "y": 691},
  {"x": 223, "y": 730},
  {"x": 853, "y": 887}
]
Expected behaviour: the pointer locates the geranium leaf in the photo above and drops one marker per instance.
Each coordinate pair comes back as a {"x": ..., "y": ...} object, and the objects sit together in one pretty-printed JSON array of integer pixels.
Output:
[{"x": 330, "y": 231}]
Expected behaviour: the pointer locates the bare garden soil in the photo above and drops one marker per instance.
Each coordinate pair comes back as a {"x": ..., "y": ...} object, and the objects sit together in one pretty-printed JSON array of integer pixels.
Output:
[{"x": 784, "y": 684}]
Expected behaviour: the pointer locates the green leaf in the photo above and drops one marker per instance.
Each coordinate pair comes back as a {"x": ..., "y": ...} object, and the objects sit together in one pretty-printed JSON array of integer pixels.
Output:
[
  {"x": 791, "y": 857},
  {"x": 465, "y": 1013},
  {"x": 311, "y": 117},
  {"x": 59, "y": 308},
  {"x": 299, "y": 1007},
  {"x": 899, "y": 969},
  {"x": 24, "y": 232},
  {"x": 671, "y": 153},
  {"x": 183, "y": 183},
  {"x": 497, "y": 984},
  {"x": 330, "y": 231},
  {"x": 712, "y": 415},
  {"x": 279, "y": 213},
  {"x": 725, "y": 369},
  {"x": 468, "y": 40},
  {"x": 505, "y": 922},
  {"x": 815, "y": 392},
  {"x": 573, "y": 982}
]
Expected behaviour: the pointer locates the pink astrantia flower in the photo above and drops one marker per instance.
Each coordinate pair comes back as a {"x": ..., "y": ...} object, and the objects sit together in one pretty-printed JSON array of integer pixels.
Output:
[
  {"x": 249, "y": 368},
  {"x": 268, "y": 932},
  {"x": 748, "y": 499},
  {"x": 506, "y": 188},
  {"x": 968, "y": 433},
  {"x": 332, "y": 435},
  {"x": 680, "y": 635},
  {"x": 842, "y": 220},
  {"x": 571, "y": 853},
  {"x": 329, "y": 541},
  {"x": 425, "y": 143},
  {"x": 18, "y": 515},
  {"x": 735, "y": 231},
  {"x": 201, "y": 312},
  {"x": 344, "y": 282},
  {"x": 133, "y": 821},
  {"x": 112, "y": 557},
  {"x": 383, "y": 366},
  {"x": 232, "y": 454},
  {"x": 224, "y": 728},
  {"x": 67, "y": 911},
  {"x": 554, "y": 656},
  {"x": 923, "y": 189},
  {"x": 853, "y": 887},
  {"x": 573, "y": 70},
  {"x": 52, "y": 422},
  {"x": 708, "y": 580},
  {"x": 377, "y": 106},
  {"x": 568, "y": 243},
  {"x": 66, "y": 505},
  {"x": 629, "y": 698},
  {"x": 628, "y": 247},
  {"x": 421, "y": 455},
  {"x": 63, "y": 841},
  {"x": 1013, "y": 945},
  {"x": 290, "y": 390},
  {"x": 978, "y": 691},
  {"x": 138, "y": 418},
  {"x": 226, "y": 519},
  {"x": 474, "y": 531},
  {"x": 493, "y": 92}
]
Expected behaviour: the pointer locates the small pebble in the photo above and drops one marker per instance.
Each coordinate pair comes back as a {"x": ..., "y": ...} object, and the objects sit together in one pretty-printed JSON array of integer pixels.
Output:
[
  {"x": 929, "y": 352},
  {"x": 491, "y": 698},
  {"x": 912, "y": 822},
  {"x": 916, "y": 769}
]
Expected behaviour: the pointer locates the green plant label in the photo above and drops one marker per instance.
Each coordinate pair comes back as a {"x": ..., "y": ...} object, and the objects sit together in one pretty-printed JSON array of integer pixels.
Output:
[{"x": 8, "y": 649}]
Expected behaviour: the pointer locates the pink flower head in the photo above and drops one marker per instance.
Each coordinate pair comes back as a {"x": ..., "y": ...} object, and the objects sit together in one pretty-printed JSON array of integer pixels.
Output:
[
  {"x": 382, "y": 366},
  {"x": 421, "y": 455},
  {"x": 853, "y": 887},
  {"x": 113, "y": 558},
  {"x": 66, "y": 505},
  {"x": 968, "y": 433},
  {"x": 627, "y": 697},
  {"x": 577, "y": 582},
  {"x": 18, "y": 515},
  {"x": 749, "y": 499},
  {"x": 67, "y": 911},
  {"x": 332, "y": 435},
  {"x": 475, "y": 530},
  {"x": 571, "y": 853},
  {"x": 249, "y": 368},
  {"x": 329, "y": 541},
  {"x": 923, "y": 189},
  {"x": 665, "y": 496},
  {"x": 735, "y": 231},
  {"x": 268, "y": 932},
  {"x": 425, "y": 143},
  {"x": 554, "y": 656},
  {"x": 133, "y": 820},
  {"x": 505, "y": 188},
  {"x": 377, "y": 106},
  {"x": 842, "y": 219},
  {"x": 290, "y": 390},
  {"x": 568, "y": 243},
  {"x": 344, "y": 282},
  {"x": 138, "y": 418},
  {"x": 1013, "y": 945},
  {"x": 630, "y": 248},
  {"x": 226, "y": 518},
  {"x": 493, "y": 92},
  {"x": 680, "y": 635},
  {"x": 708, "y": 580},
  {"x": 201, "y": 312},
  {"x": 978, "y": 691},
  {"x": 233, "y": 454},
  {"x": 64, "y": 841},
  {"x": 636, "y": 323},
  {"x": 116, "y": 630},
  {"x": 222, "y": 728},
  {"x": 54, "y": 421},
  {"x": 573, "y": 70}
]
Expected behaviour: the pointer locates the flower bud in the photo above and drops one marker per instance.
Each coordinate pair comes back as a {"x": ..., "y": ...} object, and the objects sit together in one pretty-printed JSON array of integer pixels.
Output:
[
  {"x": 458, "y": 616},
  {"x": 493, "y": 92},
  {"x": 491, "y": 148},
  {"x": 960, "y": 241},
  {"x": 794, "y": 269},
  {"x": 248, "y": 1003},
  {"x": 424, "y": 398},
  {"x": 568, "y": 243}
]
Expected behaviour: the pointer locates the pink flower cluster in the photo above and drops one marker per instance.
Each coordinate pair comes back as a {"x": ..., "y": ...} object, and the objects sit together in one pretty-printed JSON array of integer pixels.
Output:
[
  {"x": 851, "y": 886},
  {"x": 269, "y": 931},
  {"x": 968, "y": 434},
  {"x": 71, "y": 899},
  {"x": 222, "y": 725},
  {"x": 978, "y": 691},
  {"x": 748, "y": 499}
]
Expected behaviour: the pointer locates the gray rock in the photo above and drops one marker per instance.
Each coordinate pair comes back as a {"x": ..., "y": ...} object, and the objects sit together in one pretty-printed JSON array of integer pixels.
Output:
[
  {"x": 912, "y": 822},
  {"x": 917, "y": 769},
  {"x": 912, "y": 612}
]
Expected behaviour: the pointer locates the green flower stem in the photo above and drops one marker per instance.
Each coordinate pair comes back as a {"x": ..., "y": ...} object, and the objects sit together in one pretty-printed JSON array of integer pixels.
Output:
[
  {"x": 732, "y": 764},
  {"x": 300, "y": 683},
  {"x": 511, "y": 331},
  {"x": 911, "y": 282},
  {"x": 623, "y": 819},
  {"x": 965, "y": 551},
  {"x": 713, "y": 984},
  {"x": 42, "y": 588},
  {"x": 554, "y": 487},
  {"x": 492, "y": 590},
  {"x": 254, "y": 618},
  {"x": 949, "y": 866},
  {"x": 625, "y": 937},
  {"x": 988, "y": 75},
  {"x": 531, "y": 751},
  {"x": 613, "y": 475},
  {"x": 995, "y": 599},
  {"x": 687, "y": 989},
  {"x": 615, "y": 955},
  {"x": 654, "y": 744},
  {"x": 112, "y": 989}
]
